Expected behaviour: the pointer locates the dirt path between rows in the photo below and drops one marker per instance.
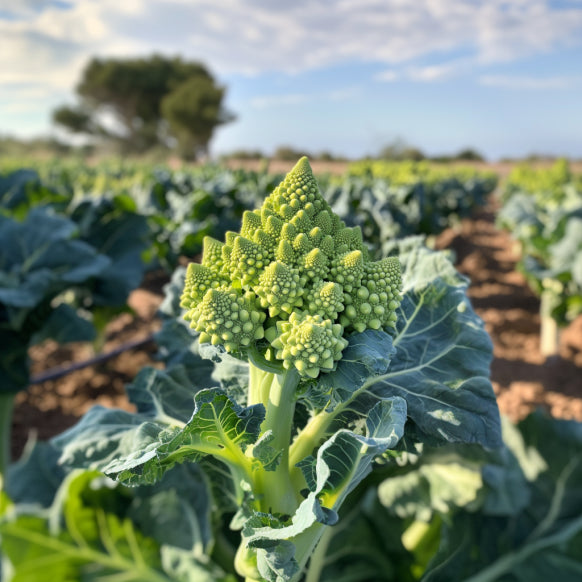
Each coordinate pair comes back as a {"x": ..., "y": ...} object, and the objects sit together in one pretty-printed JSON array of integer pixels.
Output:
[{"x": 523, "y": 380}]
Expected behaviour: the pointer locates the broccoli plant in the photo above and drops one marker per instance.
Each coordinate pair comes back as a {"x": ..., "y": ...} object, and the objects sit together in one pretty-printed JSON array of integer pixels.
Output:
[
  {"x": 327, "y": 365},
  {"x": 285, "y": 293}
]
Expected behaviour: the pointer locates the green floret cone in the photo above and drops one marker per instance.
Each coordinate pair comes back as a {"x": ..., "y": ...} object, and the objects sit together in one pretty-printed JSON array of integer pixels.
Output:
[
  {"x": 280, "y": 288},
  {"x": 301, "y": 278},
  {"x": 199, "y": 279},
  {"x": 228, "y": 318},
  {"x": 310, "y": 343}
]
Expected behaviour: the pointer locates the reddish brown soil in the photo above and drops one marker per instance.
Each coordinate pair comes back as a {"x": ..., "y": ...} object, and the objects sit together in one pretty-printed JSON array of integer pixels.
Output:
[
  {"x": 522, "y": 378},
  {"x": 50, "y": 407}
]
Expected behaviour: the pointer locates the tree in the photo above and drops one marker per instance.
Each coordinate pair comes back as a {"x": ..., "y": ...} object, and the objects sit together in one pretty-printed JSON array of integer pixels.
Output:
[
  {"x": 130, "y": 92},
  {"x": 470, "y": 154},
  {"x": 289, "y": 153},
  {"x": 76, "y": 119},
  {"x": 399, "y": 150},
  {"x": 193, "y": 110}
]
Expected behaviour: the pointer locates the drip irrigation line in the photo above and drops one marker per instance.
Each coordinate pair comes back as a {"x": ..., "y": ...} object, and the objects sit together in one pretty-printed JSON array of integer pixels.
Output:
[{"x": 57, "y": 373}]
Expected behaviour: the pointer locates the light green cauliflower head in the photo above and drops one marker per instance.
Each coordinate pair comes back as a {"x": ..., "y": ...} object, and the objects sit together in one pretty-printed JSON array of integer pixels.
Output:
[{"x": 293, "y": 284}]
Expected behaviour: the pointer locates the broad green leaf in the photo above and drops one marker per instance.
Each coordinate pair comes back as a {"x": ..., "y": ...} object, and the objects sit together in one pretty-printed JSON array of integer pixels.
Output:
[
  {"x": 98, "y": 532},
  {"x": 432, "y": 488},
  {"x": 443, "y": 354},
  {"x": 165, "y": 394},
  {"x": 80, "y": 539},
  {"x": 367, "y": 355},
  {"x": 22, "y": 190},
  {"x": 36, "y": 476},
  {"x": 119, "y": 235},
  {"x": 231, "y": 373},
  {"x": 163, "y": 400},
  {"x": 38, "y": 260},
  {"x": 506, "y": 476},
  {"x": 540, "y": 537},
  {"x": 64, "y": 325},
  {"x": 104, "y": 435},
  {"x": 218, "y": 427},
  {"x": 364, "y": 546},
  {"x": 177, "y": 510},
  {"x": 177, "y": 346},
  {"x": 15, "y": 186},
  {"x": 183, "y": 566},
  {"x": 18, "y": 291}
]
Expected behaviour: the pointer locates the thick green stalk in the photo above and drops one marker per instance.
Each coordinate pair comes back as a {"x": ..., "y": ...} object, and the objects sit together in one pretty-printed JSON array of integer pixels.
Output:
[
  {"x": 245, "y": 564},
  {"x": 256, "y": 378},
  {"x": 278, "y": 494},
  {"x": 549, "y": 332},
  {"x": 6, "y": 408},
  {"x": 310, "y": 437},
  {"x": 305, "y": 544},
  {"x": 276, "y": 389},
  {"x": 317, "y": 561}
]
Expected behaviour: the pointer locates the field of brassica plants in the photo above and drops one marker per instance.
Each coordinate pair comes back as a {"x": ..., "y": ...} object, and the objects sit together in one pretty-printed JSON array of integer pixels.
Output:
[{"x": 332, "y": 411}]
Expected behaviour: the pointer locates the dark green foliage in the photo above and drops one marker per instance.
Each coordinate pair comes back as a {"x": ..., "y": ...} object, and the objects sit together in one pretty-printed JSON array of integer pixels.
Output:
[
  {"x": 75, "y": 119},
  {"x": 40, "y": 258},
  {"x": 397, "y": 200},
  {"x": 517, "y": 504},
  {"x": 543, "y": 211},
  {"x": 193, "y": 110},
  {"x": 94, "y": 531},
  {"x": 146, "y": 95}
]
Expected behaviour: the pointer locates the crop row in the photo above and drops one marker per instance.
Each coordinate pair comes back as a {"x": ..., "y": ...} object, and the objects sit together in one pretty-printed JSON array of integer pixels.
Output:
[
  {"x": 543, "y": 211},
  {"x": 77, "y": 240},
  {"x": 397, "y": 463}
]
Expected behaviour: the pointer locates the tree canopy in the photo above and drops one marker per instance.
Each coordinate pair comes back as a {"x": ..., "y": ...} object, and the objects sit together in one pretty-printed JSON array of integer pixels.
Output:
[{"x": 141, "y": 103}]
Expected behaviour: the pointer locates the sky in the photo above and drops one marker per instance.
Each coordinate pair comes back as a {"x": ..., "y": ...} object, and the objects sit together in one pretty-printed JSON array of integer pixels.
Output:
[{"x": 344, "y": 76}]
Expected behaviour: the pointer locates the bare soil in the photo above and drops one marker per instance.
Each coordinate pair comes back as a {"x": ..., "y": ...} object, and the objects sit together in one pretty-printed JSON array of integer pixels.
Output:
[{"x": 522, "y": 378}]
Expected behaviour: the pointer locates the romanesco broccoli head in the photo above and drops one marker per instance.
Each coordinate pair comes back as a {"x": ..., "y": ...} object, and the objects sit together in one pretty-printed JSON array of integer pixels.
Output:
[{"x": 292, "y": 284}]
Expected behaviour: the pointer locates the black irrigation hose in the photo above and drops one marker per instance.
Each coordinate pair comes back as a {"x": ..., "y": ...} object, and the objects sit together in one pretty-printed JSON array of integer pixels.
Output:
[{"x": 57, "y": 373}]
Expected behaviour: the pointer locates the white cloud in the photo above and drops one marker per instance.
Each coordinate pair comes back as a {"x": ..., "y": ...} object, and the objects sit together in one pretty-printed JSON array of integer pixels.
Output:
[
  {"x": 49, "y": 45},
  {"x": 441, "y": 71},
  {"x": 387, "y": 76},
  {"x": 254, "y": 36},
  {"x": 522, "y": 82},
  {"x": 52, "y": 46}
]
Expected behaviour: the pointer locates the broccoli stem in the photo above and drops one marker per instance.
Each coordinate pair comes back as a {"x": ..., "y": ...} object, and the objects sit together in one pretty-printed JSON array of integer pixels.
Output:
[
  {"x": 279, "y": 493},
  {"x": 245, "y": 564},
  {"x": 310, "y": 437},
  {"x": 6, "y": 408},
  {"x": 550, "y": 333},
  {"x": 277, "y": 393}
]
